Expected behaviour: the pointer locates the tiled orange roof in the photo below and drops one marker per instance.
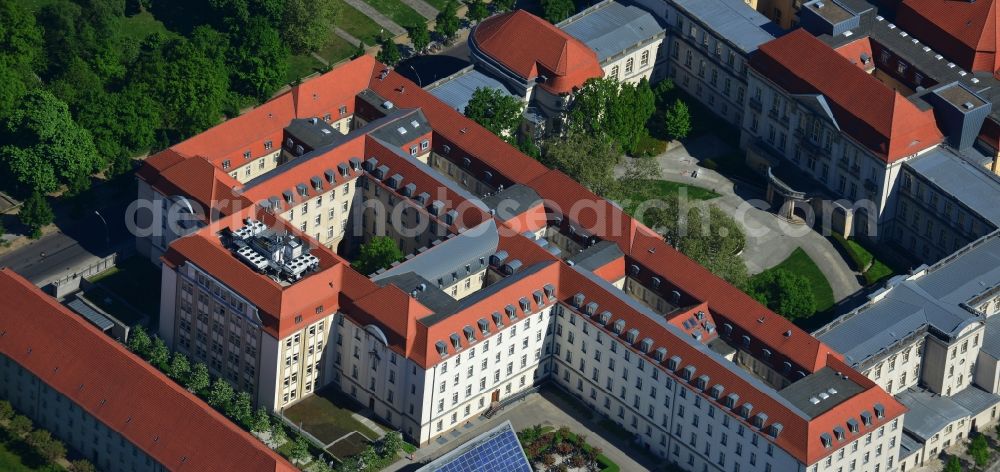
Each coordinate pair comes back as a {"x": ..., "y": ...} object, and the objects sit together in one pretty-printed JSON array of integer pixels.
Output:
[
  {"x": 532, "y": 47},
  {"x": 121, "y": 390},
  {"x": 871, "y": 113},
  {"x": 965, "y": 32}
]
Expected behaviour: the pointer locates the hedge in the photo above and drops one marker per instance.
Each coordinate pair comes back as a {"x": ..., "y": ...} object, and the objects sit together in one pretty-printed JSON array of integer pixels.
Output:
[
  {"x": 860, "y": 258},
  {"x": 607, "y": 465}
]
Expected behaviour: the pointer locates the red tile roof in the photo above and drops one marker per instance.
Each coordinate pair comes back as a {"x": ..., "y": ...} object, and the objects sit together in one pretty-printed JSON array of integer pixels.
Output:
[
  {"x": 854, "y": 50},
  {"x": 124, "y": 392},
  {"x": 965, "y": 32},
  {"x": 532, "y": 47},
  {"x": 399, "y": 315},
  {"x": 876, "y": 116}
]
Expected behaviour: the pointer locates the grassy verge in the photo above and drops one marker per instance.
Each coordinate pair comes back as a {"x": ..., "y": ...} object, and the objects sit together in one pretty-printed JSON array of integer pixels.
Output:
[
  {"x": 439, "y": 4},
  {"x": 800, "y": 263},
  {"x": 862, "y": 260},
  {"x": 324, "y": 416},
  {"x": 336, "y": 50},
  {"x": 398, "y": 12},
  {"x": 663, "y": 190},
  {"x": 302, "y": 65},
  {"x": 357, "y": 24}
]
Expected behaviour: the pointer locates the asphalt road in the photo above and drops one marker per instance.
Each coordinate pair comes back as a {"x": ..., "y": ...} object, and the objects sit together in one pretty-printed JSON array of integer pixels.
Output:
[
  {"x": 79, "y": 242},
  {"x": 427, "y": 69}
]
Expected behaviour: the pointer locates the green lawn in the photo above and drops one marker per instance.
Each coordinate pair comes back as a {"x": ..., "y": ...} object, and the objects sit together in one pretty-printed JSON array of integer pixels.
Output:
[
  {"x": 336, "y": 50},
  {"x": 800, "y": 263},
  {"x": 439, "y": 4},
  {"x": 135, "y": 281},
  {"x": 351, "y": 445},
  {"x": 861, "y": 258},
  {"x": 16, "y": 457},
  {"x": 665, "y": 190},
  {"x": 300, "y": 66},
  {"x": 327, "y": 416},
  {"x": 398, "y": 12},
  {"x": 357, "y": 24}
]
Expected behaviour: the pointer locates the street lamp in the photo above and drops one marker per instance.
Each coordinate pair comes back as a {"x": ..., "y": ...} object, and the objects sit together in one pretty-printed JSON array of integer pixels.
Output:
[
  {"x": 419, "y": 81},
  {"x": 107, "y": 232}
]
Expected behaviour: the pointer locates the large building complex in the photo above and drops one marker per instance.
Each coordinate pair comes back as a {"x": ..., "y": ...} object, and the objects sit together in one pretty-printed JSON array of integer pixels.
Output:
[
  {"x": 514, "y": 275},
  {"x": 930, "y": 338},
  {"x": 105, "y": 403}
]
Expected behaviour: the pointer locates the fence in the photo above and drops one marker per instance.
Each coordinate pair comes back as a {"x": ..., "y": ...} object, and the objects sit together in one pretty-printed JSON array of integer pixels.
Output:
[{"x": 69, "y": 283}]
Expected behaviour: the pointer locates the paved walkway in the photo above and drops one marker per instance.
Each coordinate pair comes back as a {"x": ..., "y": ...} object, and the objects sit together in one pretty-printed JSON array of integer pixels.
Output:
[
  {"x": 425, "y": 9},
  {"x": 379, "y": 18},
  {"x": 769, "y": 239},
  {"x": 346, "y": 36},
  {"x": 542, "y": 408}
]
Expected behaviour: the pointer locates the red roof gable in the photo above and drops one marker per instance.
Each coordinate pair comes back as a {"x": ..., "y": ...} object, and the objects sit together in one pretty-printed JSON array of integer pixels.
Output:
[
  {"x": 533, "y": 47},
  {"x": 124, "y": 392},
  {"x": 965, "y": 32},
  {"x": 876, "y": 116}
]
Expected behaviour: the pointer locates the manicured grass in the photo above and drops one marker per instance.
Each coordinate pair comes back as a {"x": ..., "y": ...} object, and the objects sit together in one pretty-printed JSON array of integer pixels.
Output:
[
  {"x": 16, "y": 456},
  {"x": 665, "y": 190},
  {"x": 134, "y": 280},
  {"x": 326, "y": 416},
  {"x": 878, "y": 272},
  {"x": 351, "y": 445},
  {"x": 439, "y": 4},
  {"x": 336, "y": 50},
  {"x": 862, "y": 260},
  {"x": 800, "y": 263},
  {"x": 650, "y": 146},
  {"x": 398, "y": 12},
  {"x": 357, "y": 24},
  {"x": 11, "y": 461},
  {"x": 302, "y": 65}
]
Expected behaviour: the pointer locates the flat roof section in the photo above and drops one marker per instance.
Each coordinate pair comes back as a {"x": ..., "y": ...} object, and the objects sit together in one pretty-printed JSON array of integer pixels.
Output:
[
  {"x": 496, "y": 450},
  {"x": 821, "y": 391},
  {"x": 611, "y": 28}
]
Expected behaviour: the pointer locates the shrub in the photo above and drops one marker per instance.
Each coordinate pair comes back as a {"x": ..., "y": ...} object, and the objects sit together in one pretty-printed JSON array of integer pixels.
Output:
[
  {"x": 549, "y": 460},
  {"x": 607, "y": 465},
  {"x": 710, "y": 164},
  {"x": 860, "y": 259}
]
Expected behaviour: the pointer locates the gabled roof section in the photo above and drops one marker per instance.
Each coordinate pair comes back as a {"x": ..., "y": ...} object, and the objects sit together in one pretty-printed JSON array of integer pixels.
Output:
[
  {"x": 532, "y": 47},
  {"x": 963, "y": 31},
  {"x": 165, "y": 421},
  {"x": 871, "y": 113}
]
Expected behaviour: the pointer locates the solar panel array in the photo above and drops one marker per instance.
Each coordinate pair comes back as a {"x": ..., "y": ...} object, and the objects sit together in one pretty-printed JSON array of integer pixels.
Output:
[{"x": 499, "y": 453}]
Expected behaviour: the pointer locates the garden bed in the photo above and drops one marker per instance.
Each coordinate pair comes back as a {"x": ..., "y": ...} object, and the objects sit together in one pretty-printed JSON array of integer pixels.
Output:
[{"x": 561, "y": 449}]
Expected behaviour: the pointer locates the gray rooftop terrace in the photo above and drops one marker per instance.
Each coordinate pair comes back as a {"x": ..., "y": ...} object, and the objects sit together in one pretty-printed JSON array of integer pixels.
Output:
[
  {"x": 456, "y": 90},
  {"x": 807, "y": 394}
]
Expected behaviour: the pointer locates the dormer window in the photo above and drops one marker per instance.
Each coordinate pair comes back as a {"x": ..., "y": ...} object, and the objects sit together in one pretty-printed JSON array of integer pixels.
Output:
[
  {"x": 660, "y": 354},
  {"x": 673, "y": 362},
  {"x": 226, "y": 164},
  {"x": 852, "y": 425},
  {"x": 537, "y": 295},
  {"x": 578, "y": 300},
  {"x": 497, "y": 320},
  {"x": 246, "y": 155},
  {"x": 879, "y": 411},
  {"x": 511, "y": 312},
  {"x": 619, "y": 326},
  {"x": 631, "y": 335},
  {"x": 591, "y": 308},
  {"x": 826, "y": 440},
  {"x": 442, "y": 348},
  {"x": 268, "y": 145},
  {"x": 731, "y": 400},
  {"x": 470, "y": 334},
  {"x": 605, "y": 317},
  {"x": 646, "y": 345},
  {"x": 746, "y": 409},
  {"x": 866, "y": 418},
  {"x": 484, "y": 326},
  {"x": 701, "y": 382},
  {"x": 456, "y": 342},
  {"x": 525, "y": 306}
]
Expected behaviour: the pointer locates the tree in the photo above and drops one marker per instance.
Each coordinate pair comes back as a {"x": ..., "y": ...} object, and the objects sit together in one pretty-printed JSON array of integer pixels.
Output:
[
  {"x": 499, "y": 112},
  {"x": 678, "y": 120},
  {"x": 953, "y": 465},
  {"x": 278, "y": 434},
  {"x": 139, "y": 342},
  {"x": 82, "y": 465},
  {"x": 392, "y": 443},
  {"x": 350, "y": 464},
  {"x": 21, "y": 42},
  {"x": 359, "y": 51},
  {"x": 477, "y": 11},
  {"x": 220, "y": 395},
  {"x": 586, "y": 158},
  {"x": 447, "y": 22},
  {"x": 504, "y": 5},
  {"x": 36, "y": 213},
  {"x": 241, "y": 409},
  {"x": 260, "y": 60},
  {"x": 379, "y": 253},
  {"x": 261, "y": 421},
  {"x": 41, "y": 146},
  {"x": 6, "y": 410},
  {"x": 45, "y": 445},
  {"x": 19, "y": 425},
  {"x": 619, "y": 111},
  {"x": 313, "y": 20},
  {"x": 179, "y": 367},
  {"x": 557, "y": 10},
  {"x": 199, "y": 379},
  {"x": 12, "y": 87},
  {"x": 299, "y": 452},
  {"x": 979, "y": 449},
  {"x": 388, "y": 53},
  {"x": 368, "y": 456},
  {"x": 420, "y": 36},
  {"x": 159, "y": 355},
  {"x": 784, "y": 292}
]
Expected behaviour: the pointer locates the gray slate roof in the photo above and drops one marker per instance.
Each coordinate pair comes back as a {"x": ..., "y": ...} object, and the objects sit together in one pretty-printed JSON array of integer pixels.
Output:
[
  {"x": 451, "y": 256},
  {"x": 908, "y": 306},
  {"x": 596, "y": 255},
  {"x": 611, "y": 28},
  {"x": 975, "y": 400},
  {"x": 512, "y": 201},
  {"x": 457, "y": 89},
  {"x": 991, "y": 341},
  {"x": 733, "y": 20},
  {"x": 973, "y": 186},
  {"x": 929, "y": 413}
]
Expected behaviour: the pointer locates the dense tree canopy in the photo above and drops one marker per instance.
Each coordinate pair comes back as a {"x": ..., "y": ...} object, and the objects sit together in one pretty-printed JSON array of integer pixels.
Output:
[
  {"x": 496, "y": 111},
  {"x": 557, "y": 10},
  {"x": 614, "y": 109},
  {"x": 713, "y": 242},
  {"x": 587, "y": 158},
  {"x": 784, "y": 292},
  {"x": 312, "y": 19},
  {"x": 42, "y": 147},
  {"x": 447, "y": 23},
  {"x": 379, "y": 253}
]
